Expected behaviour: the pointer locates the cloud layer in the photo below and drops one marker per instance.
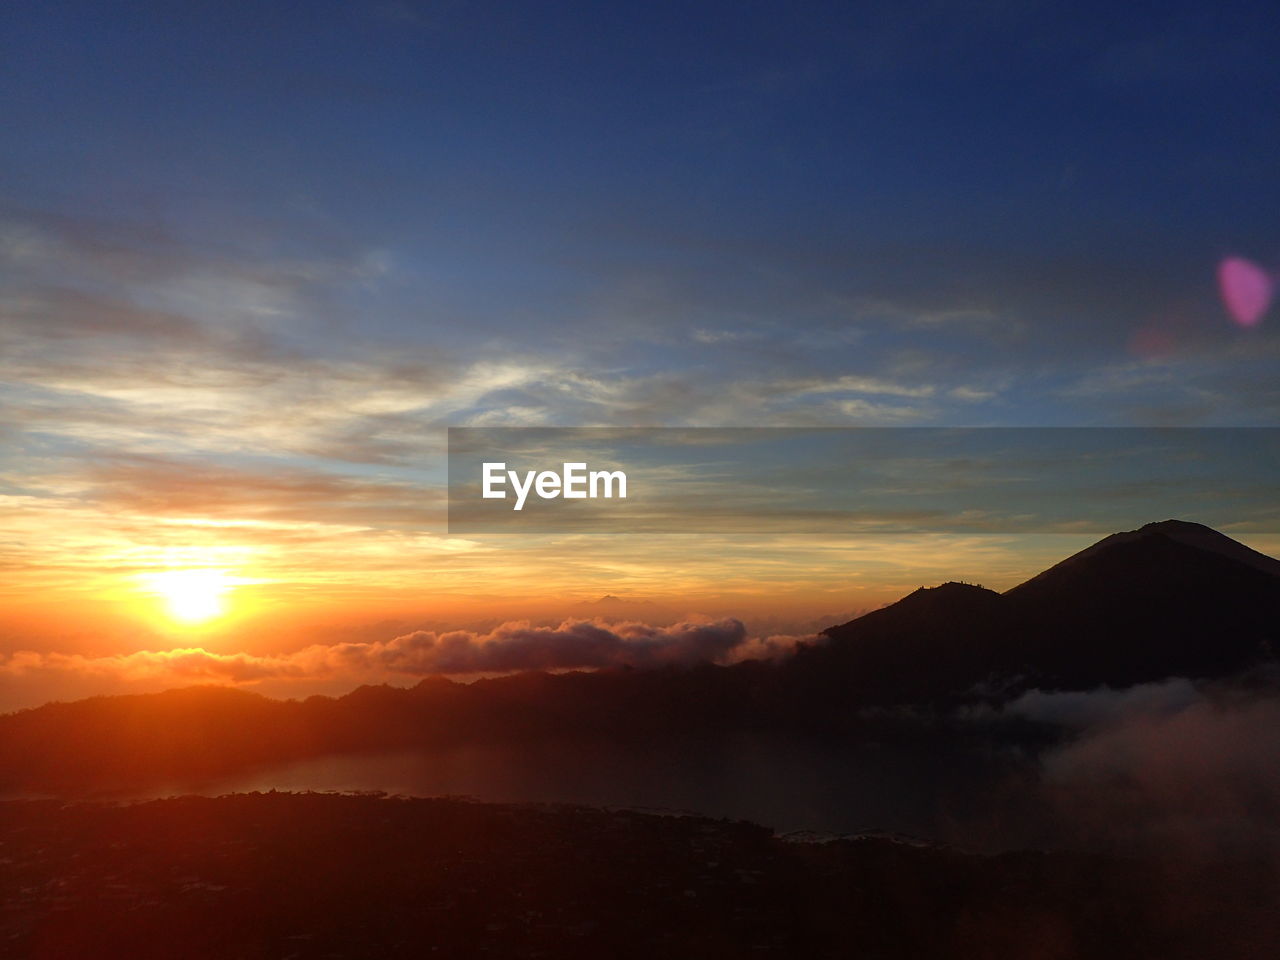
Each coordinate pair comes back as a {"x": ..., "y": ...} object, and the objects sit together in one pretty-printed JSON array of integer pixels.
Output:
[
  {"x": 1169, "y": 767},
  {"x": 573, "y": 644}
]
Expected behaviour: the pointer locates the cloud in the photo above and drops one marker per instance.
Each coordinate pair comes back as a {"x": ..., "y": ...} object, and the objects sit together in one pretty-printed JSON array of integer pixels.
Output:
[
  {"x": 513, "y": 646},
  {"x": 854, "y": 384},
  {"x": 180, "y": 665},
  {"x": 1231, "y": 383},
  {"x": 1084, "y": 709},
  {"x": 167, "y": 488},
  {"x": 521, "y": 646},
  {"x": 1169, "y": 767}
]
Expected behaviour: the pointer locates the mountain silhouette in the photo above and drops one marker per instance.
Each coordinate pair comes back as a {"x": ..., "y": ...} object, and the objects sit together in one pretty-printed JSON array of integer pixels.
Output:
[
  {"x": 1169, "y": 599},
  {"x": 1183, "y": 531}
]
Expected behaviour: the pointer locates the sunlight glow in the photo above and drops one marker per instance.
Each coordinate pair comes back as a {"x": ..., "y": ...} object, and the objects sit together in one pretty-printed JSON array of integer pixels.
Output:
[{"x": 192, "y": 596}]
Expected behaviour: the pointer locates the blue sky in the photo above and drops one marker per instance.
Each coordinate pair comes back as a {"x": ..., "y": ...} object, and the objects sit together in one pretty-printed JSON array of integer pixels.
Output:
[{"x": 994, "y": 199}]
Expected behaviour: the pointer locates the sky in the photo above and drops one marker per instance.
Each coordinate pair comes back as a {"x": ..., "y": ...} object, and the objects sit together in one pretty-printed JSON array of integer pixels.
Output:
[{"x": 255, "y": 258}]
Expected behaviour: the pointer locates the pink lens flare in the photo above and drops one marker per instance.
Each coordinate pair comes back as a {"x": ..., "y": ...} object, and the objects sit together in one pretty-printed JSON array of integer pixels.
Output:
[{"x": 1246, "y": 290}]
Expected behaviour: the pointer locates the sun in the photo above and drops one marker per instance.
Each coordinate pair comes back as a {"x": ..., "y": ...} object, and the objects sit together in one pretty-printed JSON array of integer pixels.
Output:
[{"x": 192, "y": 596}]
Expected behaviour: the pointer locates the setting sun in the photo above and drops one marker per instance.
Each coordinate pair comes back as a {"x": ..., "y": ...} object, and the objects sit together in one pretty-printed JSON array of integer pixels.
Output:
[{"x": 192, "y": 595}]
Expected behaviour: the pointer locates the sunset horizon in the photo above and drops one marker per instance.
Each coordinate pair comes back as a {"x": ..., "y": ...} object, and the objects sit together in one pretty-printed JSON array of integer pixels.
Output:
[{"x": 204, "y": 631}]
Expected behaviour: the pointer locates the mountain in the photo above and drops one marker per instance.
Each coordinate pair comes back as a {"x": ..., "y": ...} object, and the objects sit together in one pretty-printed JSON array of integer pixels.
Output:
[
  {"x": 1183, "y": 531},
  {"x": 930, "y": 644},
  {"x": 1169, "y": 599}
]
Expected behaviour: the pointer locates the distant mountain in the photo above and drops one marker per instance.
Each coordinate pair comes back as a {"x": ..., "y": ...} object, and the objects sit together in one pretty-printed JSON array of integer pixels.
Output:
[
  {"x": 1169, "y": 599},
  {"x": 614, "y": 606}
]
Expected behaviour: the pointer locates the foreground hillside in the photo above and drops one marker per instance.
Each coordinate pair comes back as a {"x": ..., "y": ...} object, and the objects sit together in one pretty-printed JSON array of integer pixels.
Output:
[{"x": 316, "y": 875}]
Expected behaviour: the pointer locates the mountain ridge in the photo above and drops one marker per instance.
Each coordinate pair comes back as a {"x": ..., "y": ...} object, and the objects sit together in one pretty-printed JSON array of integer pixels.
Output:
[
  {"x": 1171, "y": 598},
  {"x": 1191, "y": 534}
]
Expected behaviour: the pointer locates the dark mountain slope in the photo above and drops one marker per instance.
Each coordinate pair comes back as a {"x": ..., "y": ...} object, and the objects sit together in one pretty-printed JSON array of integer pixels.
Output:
[
  {"x": 1169, "y": 599},
  {"x": 930, "y": 644},
  {"x": 1147, "y": 606},
  {"x": 1183, "y": 531}
]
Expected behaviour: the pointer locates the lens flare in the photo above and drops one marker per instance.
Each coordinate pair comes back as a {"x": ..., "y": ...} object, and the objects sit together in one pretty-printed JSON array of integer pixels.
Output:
[{"x": 1246, "y": 290}]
